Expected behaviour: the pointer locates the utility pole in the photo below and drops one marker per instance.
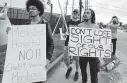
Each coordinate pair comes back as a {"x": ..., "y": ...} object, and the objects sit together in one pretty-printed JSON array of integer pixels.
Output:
[
  {"x": 72, "y": 5},
  {"x": 80, "y": 8},
  {"x": 66, "y": 7},
  {"x": 86, "y": 4},
  {"x": 51, "y": 9},
  {"x": 10, "y": 8}
]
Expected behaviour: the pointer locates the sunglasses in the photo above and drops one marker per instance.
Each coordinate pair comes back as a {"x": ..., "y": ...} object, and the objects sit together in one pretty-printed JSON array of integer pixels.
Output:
[{"x": 75, "y": 12}]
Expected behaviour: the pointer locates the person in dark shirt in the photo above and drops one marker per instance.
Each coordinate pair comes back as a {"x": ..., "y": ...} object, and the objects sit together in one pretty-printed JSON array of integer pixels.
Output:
[
  {"x": 35, "y": 9},
  {"x": 71, "y": 23}
]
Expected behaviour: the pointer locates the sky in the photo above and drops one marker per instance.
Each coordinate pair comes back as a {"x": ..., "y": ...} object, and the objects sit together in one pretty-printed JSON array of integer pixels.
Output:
[{"x": 104, "y": 9}]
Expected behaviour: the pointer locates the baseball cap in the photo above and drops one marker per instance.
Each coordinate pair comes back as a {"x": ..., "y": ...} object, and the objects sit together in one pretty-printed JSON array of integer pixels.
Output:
[{"x": 76, "y": 11}]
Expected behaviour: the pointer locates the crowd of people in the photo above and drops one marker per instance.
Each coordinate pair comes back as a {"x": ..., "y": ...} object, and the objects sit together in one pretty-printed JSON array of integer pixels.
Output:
[{"x": 35, "y": 9}]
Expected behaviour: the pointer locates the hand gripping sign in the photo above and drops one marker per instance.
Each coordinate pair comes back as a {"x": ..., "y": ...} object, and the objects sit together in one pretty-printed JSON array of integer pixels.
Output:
[{"x": 88, "y": 42}]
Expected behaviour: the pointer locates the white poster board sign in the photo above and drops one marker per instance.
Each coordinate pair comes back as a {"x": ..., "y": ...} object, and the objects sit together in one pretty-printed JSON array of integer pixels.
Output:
[
  {"x": 26, "y": 54},
  {"x": 88, "y": 42}
]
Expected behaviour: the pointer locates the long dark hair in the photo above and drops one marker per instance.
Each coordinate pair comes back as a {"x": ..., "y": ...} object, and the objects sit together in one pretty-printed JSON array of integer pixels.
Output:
[{"x": 93, "y": 17}]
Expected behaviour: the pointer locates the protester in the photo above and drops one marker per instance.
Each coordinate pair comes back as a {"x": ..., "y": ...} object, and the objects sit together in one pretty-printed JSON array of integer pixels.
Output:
[
  {"x": 114, "y": 25},
  {"x": 35, "y": 9},
  {"x": 94, "y": 62},
  {"x": 101, "y": 25},
  {"x": 72, "y": 23}
]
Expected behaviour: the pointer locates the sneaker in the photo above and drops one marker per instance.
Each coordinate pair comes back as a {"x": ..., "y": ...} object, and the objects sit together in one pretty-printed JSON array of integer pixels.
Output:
[
  {"x": 68, "y": 72},
  {"x": 76, "y": 76}
]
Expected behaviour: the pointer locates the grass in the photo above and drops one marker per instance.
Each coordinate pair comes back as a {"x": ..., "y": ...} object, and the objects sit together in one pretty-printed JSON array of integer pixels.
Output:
[{"x": 58, "y": 50}]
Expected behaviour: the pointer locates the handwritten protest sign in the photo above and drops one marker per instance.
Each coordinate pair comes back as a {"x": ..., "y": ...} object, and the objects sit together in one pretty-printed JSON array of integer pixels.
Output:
[
  {"x": 88, "y": 42},
  {"x": 26, "y": 54}
]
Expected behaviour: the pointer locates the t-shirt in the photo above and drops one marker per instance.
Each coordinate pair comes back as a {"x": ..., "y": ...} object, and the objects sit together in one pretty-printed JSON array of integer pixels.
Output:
[
  {"x": 113, "y": 28},
  {"x": 71, "y": 23}
]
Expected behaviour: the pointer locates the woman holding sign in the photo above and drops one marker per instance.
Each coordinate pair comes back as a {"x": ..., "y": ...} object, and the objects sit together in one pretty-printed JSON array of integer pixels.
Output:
[{"x": 89, "y": 22}]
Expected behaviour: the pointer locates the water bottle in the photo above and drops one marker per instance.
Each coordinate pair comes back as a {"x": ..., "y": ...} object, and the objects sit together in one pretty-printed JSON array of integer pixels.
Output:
[{"x": 110, "y": 66}]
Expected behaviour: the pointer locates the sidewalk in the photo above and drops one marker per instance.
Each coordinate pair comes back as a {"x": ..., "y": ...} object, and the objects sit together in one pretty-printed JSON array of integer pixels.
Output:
[{"x": 118, "y": 75}]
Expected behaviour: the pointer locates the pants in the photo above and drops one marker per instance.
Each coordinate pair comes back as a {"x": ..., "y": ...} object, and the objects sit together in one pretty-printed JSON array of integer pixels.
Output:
[
  {"x": 114, "y": 46},
  {"x": 94, "y": 68},
  {"x": 67, "y": 57}
]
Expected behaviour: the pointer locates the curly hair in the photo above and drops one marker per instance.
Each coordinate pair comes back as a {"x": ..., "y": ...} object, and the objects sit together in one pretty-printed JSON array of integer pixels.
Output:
[
  {"x": 93, "y": 17},
  {"x": 36, "y": 3}
]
